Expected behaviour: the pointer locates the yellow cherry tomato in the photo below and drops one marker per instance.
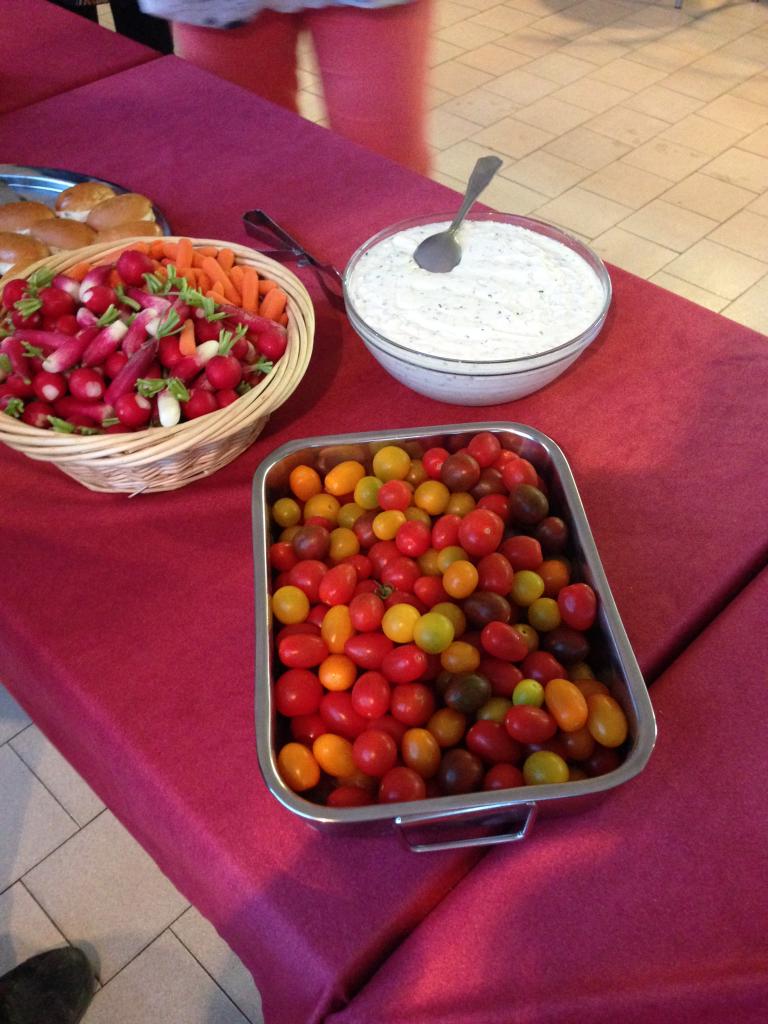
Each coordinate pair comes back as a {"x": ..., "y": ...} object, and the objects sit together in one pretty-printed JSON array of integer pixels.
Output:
[
  {"x": 455, "y": 614},
  {"x": 324, "y": 505},
  {"x": 344, "y": 543},
  {"x": 529, "y": 634},
  {"x": 343, "y": 478},
  {"x": 413, "y": 514},
  {"x": 428, "y": 563},
  {"x": 433, "y": 632},
  {"x": 391, "y": 463},
  {"x": 460, "y": 503},
  {"x": 290, "y": 605},
  {"x": 460, "y": 657},
  {"x": 607, "y": 721},
  {"x": 386, "y": 524},
  {"x": 399, "y": 621},
  {"x": 450, "y": 554},
  {"x": 544, "y": 614},
  {"x": 336, "y": 628},
  {"x": 433, "y": 496},
  {"x": 366, "y": 493},
  {"x": 349, "y": 514},
  {"x": 286, "y": 512},
  {"x": 416, "y": 474},
  {"x": 526, "y": 587},
  {"x": 544, "y": 767}
]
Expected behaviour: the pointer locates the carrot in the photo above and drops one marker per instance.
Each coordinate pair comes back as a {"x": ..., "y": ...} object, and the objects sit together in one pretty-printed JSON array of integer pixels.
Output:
[
  {"x": 203, "y": 282},
  {"x": 208, "y": 250},
  {"x": 250, "y": 289},
  {"x": 236, "y": 276},
  {"x": 283, "y": 320},
  {"x": 156, "y": 249},
  {"x": 78, "y": 272},
  {"x": 169, "y": 250},
  {"x": 187, "y": 344},
  {"x": 114, "y": 279},
  {"x": 273, "y": 303},
  {"x": 226, "y": 259},
  {"x": 215, "y": 272},
  {"x": 266, "y": 285},
  {"x": 184, "y": 254},
  {"x": 216, "y": 294}
]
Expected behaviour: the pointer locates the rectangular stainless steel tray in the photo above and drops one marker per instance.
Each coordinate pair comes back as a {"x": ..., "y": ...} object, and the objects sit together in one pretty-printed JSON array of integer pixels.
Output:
[
  {"x": 44, "y": 184},
  {"x": 485, "y": 818}
]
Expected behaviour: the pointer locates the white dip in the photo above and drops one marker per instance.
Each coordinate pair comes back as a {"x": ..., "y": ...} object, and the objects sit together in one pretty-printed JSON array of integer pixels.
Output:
[{"x": 514, "y": 293}]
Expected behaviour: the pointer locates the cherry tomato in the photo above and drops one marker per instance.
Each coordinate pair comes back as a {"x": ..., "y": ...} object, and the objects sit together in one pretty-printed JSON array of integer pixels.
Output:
[
  {"x": 374, "y": 752},
  {"x": 343, "y": 478},
  {"x": 399, "y": 622},
  {"x": 334, "y": 754},
  {"x": 480, "y": 532},
  {"x": 412, "y": 703},
  {"x": 337, "y": 672},
  {"x": 338, "y": 585},
  {"x": 401, "y": 784},
  {"x": 447, "y": 726},
  {"x": 529, "y": 724},
  {"x": 305, "y": 482},
  {"x": 430, "y": 590},
  {"x": 290, "y": 605},
  {"x": 311, "y": 542},
  {"x": 501, "y": 640},
  {"x": 339, "y": 715},
  {"x": 606, "y": 720},
  {"x": 306, "y": 575},
  {"x": 371, "y": 695},
  {"x": 404, "y": 664},
  {"x": 301, "y": 651},
  {"x": 494, "y": 709},
  {"x": 348, "y": 796},
  {"x": 542, "y": 666},
  {"x": 433, "y": 460},
  {"x": 445, "y": 531},
  {"x": 601, "y": 761},
  {"x": 467, "y": 692},
  {"x": 552, "y": 534},
  {"x": 381, "y": 553},
  {"x": 529, "y": 692},
  {"x": 400, "y": 573},
  {"x": 556, "y": 573},
  {"x": 460, "y": 771},
  {"x": 566, "y": 644},
  {"x": 387, "y": 723},
  {"x": 366, "y": 612},
  {"x": 495, "y": 573},
  {"x": 421, "y": 751},
  {"x": 491, "y": 742},
  {"x": 544, "y": 614},
  {"x": 460, "y": 472},
  {"x": 433, "y": 496},
  {"x": 590, "y": 686},
  {"x": 578, "y": 605},
  {"x": 523, "y": 552},
  {"x": 298, "y": 692},
  {"x": 527, "y": 586},
  {"x": 503, "y": 675},
  {"x": 518, "y": 471},
  {"x": 366, "y": 493},
  {"x": 306, "y": 728},
  {"x": 391, "y": 463},
  {"x": 298, "y": 767},
  {"x": 485, "y": 447},
  {"x": 395, "y": 494},
  {"x": 368, "y": 650},
  {"x": 528, "y": 505},
  {"x": 566, "y": 704},
  {"x": 460, "y": 579},
  {"x": 282, "y": 557},
  {"x": 503, "y": 776},
  {"x": 433, "y": 632},
  {"x": 544, "y": 768},
  {"x": 343, "y": 544},
  {"x": 337, "y": 628},
  {"x": 460, "y": 657},
  {"x": 579, "y": 745}
]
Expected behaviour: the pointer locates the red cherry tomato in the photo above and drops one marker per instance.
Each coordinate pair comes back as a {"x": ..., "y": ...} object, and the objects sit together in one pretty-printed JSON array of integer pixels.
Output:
[
  {"x": 393, "y": 726},
  {"x": 374, "y": 752},
  {"x": 401, "y": 572},
  {"x": 578, "y": 605},
  {"x": 404, "y": 664},
  {"x": 339, "y": 715},
  {"x": 518, "y": 471},
  {"x": 366, "y": 612},
  {"x": 338, "y": 585},
  {"x": 413, "y": 703},
  {"x": 480, "y": 532},
  {"x": 501, "y": 640},
  {"x": 282, "y": 556},
  {"x": 503, "y": 776},
  {"x": 395, "y": 494},
  {"x": 497, "y": 503},
  {"x": 381, "y": 553},
  {"x": 302, "y": 650},
  {"x": 527, "y": 724},
  {"x": 348, "y": 796},
  {"x": 401, "y": 784},
  {"x": 306, "y": 728},
  {"x": 298, "y": 692},
  {"x": 502, "y": 675},
  {"x": 523, "y": 552},
  {"x": 413, "y": 538},
  {"x": 368, "y": 650},
  {"x": 432, "y": 461},
  {"x": 371, "y": 695},
  {"x": 485, "y": 447},
  {"x": 495, "y": 573},
  {"x": 306, "y": 575},
  {"x": 542, "y": 667},
  {"x": 491, "y": 741}
]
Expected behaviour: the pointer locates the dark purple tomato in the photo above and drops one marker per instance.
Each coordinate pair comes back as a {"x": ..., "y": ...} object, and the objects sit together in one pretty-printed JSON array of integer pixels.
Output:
[
  {"x": 528, "y": 504},
  {"x": 552, "y": 534},
  {"x": 566, "y": 644},
  {"x": 484, "y": 606},
  {"x": 467, "y": 692},
  {"x": 460, "y": 472},
  {"x": 311, "y": 542},
  {"x": 491, "y": 482},
  {"x": 460, "y": 771}
]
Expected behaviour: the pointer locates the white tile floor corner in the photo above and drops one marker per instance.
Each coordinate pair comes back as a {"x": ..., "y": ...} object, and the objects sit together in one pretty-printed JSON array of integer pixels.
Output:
[{"x": 70, "y": 873}]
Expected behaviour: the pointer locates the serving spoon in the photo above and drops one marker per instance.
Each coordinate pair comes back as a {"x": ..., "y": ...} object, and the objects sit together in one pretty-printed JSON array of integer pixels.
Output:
[{"x": 440, "y": 253}]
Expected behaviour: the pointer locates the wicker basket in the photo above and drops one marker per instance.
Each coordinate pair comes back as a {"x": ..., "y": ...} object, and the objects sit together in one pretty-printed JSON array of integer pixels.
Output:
[{"x": 165, "y": 458}]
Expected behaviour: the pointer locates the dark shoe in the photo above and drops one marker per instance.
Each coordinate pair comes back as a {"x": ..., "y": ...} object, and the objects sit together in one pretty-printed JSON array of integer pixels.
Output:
[{"x": 51, "y": 988}]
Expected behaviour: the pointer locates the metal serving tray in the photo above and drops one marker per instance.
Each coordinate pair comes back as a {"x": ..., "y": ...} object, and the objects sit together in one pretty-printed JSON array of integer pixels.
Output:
[
  {"x": 44, "y": 184},
  {"x": 485, "y": 818}
]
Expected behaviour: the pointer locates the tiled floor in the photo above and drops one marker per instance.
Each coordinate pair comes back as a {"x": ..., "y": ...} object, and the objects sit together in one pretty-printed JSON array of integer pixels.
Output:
[{"x": 642, "y": 129}]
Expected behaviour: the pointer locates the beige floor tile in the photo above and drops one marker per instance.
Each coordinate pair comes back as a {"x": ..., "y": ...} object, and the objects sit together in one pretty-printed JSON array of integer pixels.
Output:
[
  {"x": 707, "y": 78},
  {"x": 493, "y": 59},
  {"x": 757, "y": 142},
  {"x": 736, "y": 113},
  {"x": 689, "y": 291},
  {"x": 593, "y": 96},
  {"x": 25, "y": 929},
  {"x": 587, "y": 149},
  {"x": 637, "y": 255},
  {"x": 553, "y": 115},
  {"x": 668, "y": 18},
  {"x": 718, "y": 269},
  {"x": 32, "y": 823},
  {"x": 667, "y": 159},
  {"x": 512, "y": 137},
  {"x": 457, "y": 161},
  {"x": 626, "y": 184},
  {"x": 628, "y": 126},
  {"x": 628, "y": 74},
  {"x": 585, "y": 212},
  {"x": 57, "y": 775},
  {"x": 595, "y": 48},
  {"x": 545, "y": 173},
  {"x": 706, "y": 195},
  {"x": 702, "y": 134},
  {"x": 467, "y": 36},
  {"x": 445, "y": 129},
  {"x": 558, "y": 67},
  {"x": 505, "y": 19},
  {"x": 670, "y": 226},
  {"x": 447, "y": 13},
  {"x": 695, "y": 39},
  {"x": 446, "y": 179},
  {"x": 101, "y": 889},
  {"x": 563, "y": 25},
  {"x": 521, "y": 87},
  {"x": 601, "y": 12},
  {"x": 207, "y": 947},
  {"x": 745, "y": 232},
  {"x": 12, "y": 717},
  {"x": 661, "y": 56},
  {"x": 751, "y": 308},
  {"x": 457, "y": 78},
  {"x": 440, "y": 51},
  {"x": 511, "y": 197},
  {"x": 311, "y": 106},
  {"x": 531, "y": 43},
  {"x": 759, "y": 204},
  {"x": 164, "y": 984},
  {"x": 477, "y": 5},
  {"x": 739, "y": 167},
  {"x": 480, "y": 106},
  {"x": 663, "y": 103},
  {"x": 437, "y": 97},
  {"x": 542, "y": 8},
  {"x": 754, "y": 89}
]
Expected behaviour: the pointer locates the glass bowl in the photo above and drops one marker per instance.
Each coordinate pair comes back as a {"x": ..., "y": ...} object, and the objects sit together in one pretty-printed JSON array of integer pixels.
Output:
[{"x": 468, "y": 380}]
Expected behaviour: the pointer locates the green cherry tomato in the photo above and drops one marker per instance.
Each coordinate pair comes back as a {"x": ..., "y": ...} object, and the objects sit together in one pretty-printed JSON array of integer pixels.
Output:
[
  {"x": 543, "y": 767},
  {"x": 433, "y": 632},
  {"x": 530, "y": 692}
]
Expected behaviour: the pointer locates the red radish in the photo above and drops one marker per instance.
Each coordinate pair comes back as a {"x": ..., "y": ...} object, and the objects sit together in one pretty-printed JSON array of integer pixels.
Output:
[
  {"x": 46, "y": 340},
  {"x": 147, "y": 301},
  {"x": 85, "y": 318},
  {"x": 132, "y": 265},
  {"x": 85, "y": 384},
  {"x": 200, "y": 403},
  {"x": 223, "y": 370},
  {"x": 114, "y": 364},
  {"x": 5, "y": 366},
  {"x": 169, "y": 352},
  {"x": 67, "y": 324},
  {"x": 99, "y": 299},
  {"x": 96, "y": 277},
  {"x": 68, "y": 285},
  {"x": 49, "y": 386},
  {"x": 168, "y": 395},
  {"x": 14, "y": 292},
  {"x": 104, "y": 344},
  {"x": 37, "y": 414},
  {"x": 138, "y": 331},
  {"x": 13, "y": 347},
  {"x": 272, "y": 344},
  {"x": 71, "y": 408},
  {"x": 55, "y": 302},
  {"x": 18, "y": 386},
  {"x": 225, "y": 398},
  {"x": 206, "y": 330},
  {"x": 10, "y": 404},
  {"x": 133, "y": 410},
  {"x": 252, "y": 321},
  {"x": 188, "y": 367},
  {"x": 136, "y": 367},
  {"x": 68, "y": 354},
  {"x": 18, "y": 319}
]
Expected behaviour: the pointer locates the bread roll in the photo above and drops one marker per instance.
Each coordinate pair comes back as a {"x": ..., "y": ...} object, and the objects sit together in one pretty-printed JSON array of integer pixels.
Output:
[
  {"x": 19, "y": 250},
  {"x": 130, "y": 229},
  {"x": 60, "y": 234},
  {"x": 120, "y": 210},
  {"x": 77, "y": 202},
  {"x": 19, "y": 217}
]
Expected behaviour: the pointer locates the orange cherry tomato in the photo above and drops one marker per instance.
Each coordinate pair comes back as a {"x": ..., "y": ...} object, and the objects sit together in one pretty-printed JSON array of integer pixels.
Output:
[
  {"x": 305, "y": 482},
  {"x": 337, "y": 672},
  {"x": 460, "y": 579},
  {"x": 298, "y": 767},
  {"x": 343, "y": 478},
  {"x": 421, "y": 751},
  {"x": 447, "y": 726},
  {"x": 337, "y": 628},
  {"x": 566, "y": 703},
  {"x": 334, "y": 755},
  {"x": 607, "y": 722}
]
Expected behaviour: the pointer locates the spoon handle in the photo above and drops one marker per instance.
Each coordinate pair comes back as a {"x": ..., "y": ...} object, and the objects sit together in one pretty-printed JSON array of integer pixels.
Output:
[{"x": 479, "y": 179}]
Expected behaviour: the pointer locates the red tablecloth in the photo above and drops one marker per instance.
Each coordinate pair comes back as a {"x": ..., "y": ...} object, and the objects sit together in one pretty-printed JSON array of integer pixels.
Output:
[
  {"x": 45, "y": 50},
  {"x": 137, "y": 661},
  {"x": 651, "y": 908}
]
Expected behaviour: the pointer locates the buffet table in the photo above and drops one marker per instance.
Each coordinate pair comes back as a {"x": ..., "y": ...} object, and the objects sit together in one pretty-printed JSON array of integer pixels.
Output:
[
  {"x": 45, "y": 50},
  {"x": 142, "y": 673}
]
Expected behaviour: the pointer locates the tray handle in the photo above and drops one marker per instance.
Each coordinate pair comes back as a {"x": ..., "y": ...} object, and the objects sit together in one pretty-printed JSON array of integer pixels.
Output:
[{"x": 406, "y": 823}]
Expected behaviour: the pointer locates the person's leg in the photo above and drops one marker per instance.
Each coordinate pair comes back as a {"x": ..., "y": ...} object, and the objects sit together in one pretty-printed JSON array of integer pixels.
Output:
[
  {"x": 261, "y": 56},
  {"x": 373, "y": 65},
  {"x": 51, "y": 988},
  {"x": 130, "y": 21}
]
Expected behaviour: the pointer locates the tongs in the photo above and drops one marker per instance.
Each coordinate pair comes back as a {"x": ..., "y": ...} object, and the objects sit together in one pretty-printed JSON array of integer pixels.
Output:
[{"x": 260, "y": 225}]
